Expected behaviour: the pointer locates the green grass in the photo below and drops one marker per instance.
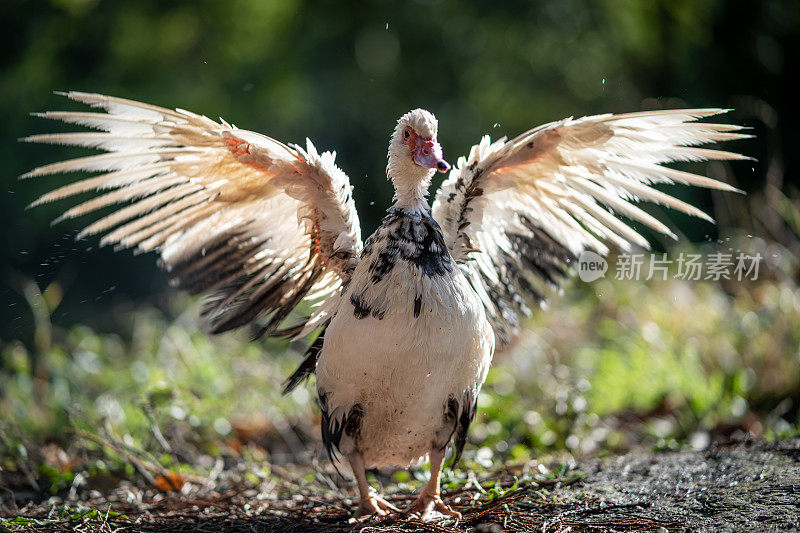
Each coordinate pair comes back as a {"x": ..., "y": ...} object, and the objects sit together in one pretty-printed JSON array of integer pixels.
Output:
[
  {"x": 609, "y": 366},
  {"x": 61, "y": 514}
]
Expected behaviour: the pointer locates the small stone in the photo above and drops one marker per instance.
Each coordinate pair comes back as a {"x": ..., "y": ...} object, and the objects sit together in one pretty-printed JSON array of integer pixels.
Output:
[{"x": 488, "y": 527}]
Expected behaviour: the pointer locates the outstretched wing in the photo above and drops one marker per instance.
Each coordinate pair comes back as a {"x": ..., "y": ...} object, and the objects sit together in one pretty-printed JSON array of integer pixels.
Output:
[
  {"x": 258, "y": 224},
  {"x": 524, "y": 209}
]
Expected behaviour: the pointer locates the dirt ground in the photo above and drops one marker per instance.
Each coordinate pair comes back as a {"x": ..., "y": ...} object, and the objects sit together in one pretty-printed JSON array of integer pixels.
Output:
[{"x": 742, "y": 487}]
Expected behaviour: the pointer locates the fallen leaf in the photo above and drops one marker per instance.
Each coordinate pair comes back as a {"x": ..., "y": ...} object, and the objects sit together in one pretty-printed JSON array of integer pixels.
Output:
[{"x": 169, "y": 482}]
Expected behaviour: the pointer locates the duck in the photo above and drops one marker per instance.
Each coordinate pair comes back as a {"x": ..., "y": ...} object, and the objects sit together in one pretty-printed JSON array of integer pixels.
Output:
[{"x": 401, "y": 328}]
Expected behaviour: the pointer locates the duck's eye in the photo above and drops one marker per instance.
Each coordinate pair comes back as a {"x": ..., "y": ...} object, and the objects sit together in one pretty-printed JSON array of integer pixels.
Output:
[{"x": 406, "y": 134}]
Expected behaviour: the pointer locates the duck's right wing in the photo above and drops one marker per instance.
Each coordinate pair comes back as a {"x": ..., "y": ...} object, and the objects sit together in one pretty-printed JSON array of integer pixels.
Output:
[{"x": 256, "y": 223}]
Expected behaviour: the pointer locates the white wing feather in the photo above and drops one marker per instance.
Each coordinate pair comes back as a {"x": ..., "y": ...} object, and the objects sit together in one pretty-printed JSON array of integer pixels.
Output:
[
  {"x": 524, "y": 209},
  {"x": 260, "y": 224}
]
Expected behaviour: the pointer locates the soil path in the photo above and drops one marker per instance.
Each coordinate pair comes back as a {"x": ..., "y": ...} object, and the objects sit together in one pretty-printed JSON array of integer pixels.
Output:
[{"x": 743, "y": 487}]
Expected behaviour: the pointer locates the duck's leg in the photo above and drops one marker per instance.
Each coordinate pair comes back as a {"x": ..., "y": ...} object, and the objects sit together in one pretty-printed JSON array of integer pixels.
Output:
[
  {"x": 431, "y": 498},
  {"x": 370, "y": 502}
]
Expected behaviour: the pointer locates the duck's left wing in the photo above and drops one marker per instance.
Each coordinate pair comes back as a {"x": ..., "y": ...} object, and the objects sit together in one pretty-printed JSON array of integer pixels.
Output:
[{"x": 516, "y": 213}]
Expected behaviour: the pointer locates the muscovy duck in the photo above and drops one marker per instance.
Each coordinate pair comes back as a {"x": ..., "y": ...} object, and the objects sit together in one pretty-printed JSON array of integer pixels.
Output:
[{"x": 406, "y": 324}]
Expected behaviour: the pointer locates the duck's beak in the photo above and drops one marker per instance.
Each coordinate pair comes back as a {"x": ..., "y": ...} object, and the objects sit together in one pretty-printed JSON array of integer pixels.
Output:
[{"x": 428, "y": 154}]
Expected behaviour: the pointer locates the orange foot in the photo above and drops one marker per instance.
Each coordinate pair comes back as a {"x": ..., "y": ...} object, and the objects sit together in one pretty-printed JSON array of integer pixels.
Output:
[
  {"x": 374, "y": 505},
  {"x": 427, "y": 502}
]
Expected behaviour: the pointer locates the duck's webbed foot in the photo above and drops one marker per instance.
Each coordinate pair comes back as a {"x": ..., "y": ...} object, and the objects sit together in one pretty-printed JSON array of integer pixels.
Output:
[
  {"x": 374, "y": 504},
  {"x": 428, "y": 501}
]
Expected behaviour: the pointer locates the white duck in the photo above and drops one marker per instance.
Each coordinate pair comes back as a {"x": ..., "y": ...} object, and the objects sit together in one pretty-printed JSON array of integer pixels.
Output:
[{"x": 408, "y": 322}]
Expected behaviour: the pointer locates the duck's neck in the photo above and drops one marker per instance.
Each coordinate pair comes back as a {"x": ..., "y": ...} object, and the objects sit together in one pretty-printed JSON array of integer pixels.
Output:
[
  {"x": 411, "y": 184},
  {"x": 412, "y": 197}
]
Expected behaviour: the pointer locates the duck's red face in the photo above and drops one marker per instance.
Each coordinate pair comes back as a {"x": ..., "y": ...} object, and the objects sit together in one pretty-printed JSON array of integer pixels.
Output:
[{"x": 426, "y": 153}]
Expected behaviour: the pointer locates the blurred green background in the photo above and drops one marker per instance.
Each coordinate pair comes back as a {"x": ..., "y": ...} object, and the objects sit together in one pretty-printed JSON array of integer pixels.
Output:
[
  {"x": 343, "y": 75},
  {"x": 678, "y": 361}
]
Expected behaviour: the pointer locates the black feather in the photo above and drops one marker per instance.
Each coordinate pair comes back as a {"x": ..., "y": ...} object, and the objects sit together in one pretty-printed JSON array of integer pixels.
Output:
[
  {"x": 331, "y": 429},
  {"x": 307, "y": 367},
  {"x": 467, "y": 413}
]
